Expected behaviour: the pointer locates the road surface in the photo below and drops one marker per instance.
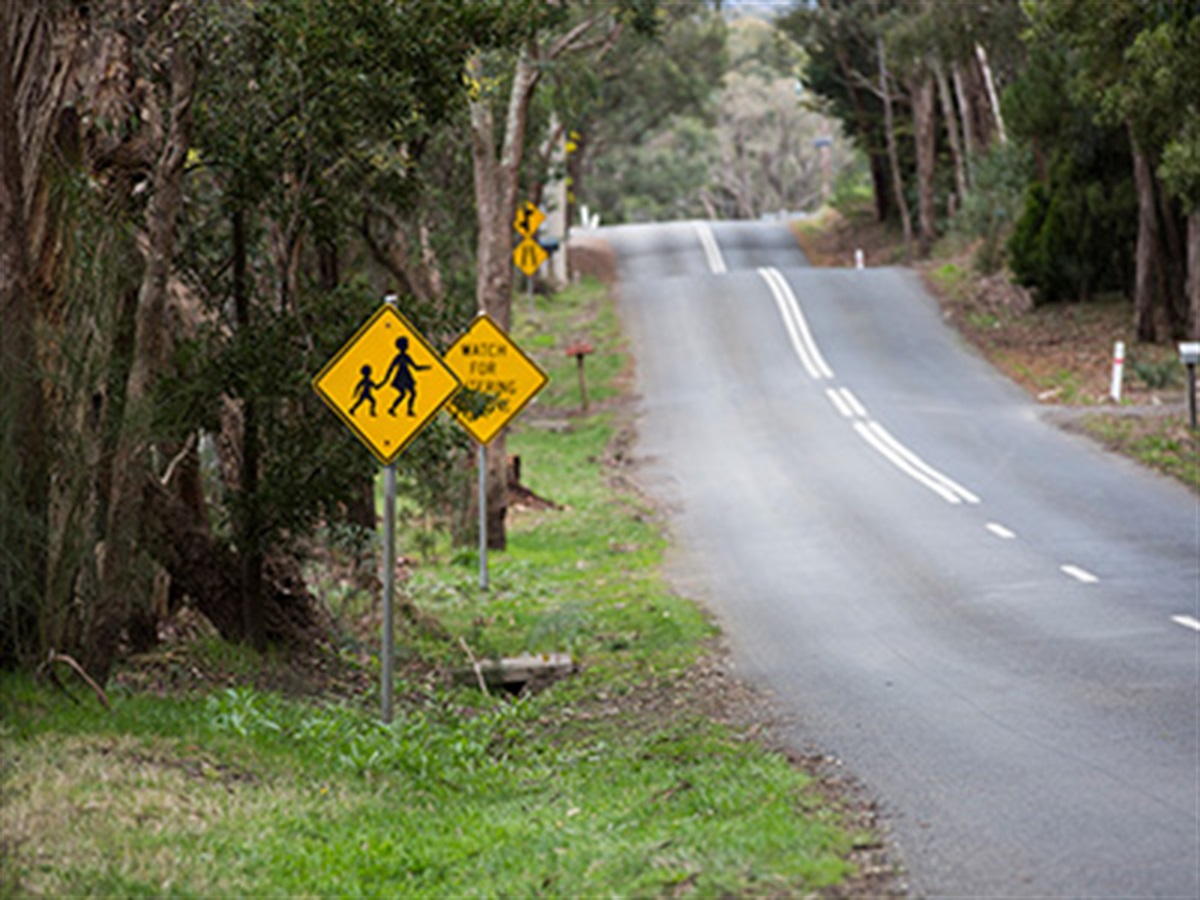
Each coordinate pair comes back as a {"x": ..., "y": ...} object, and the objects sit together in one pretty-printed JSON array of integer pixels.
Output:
[{"x": 991, "y": 622}]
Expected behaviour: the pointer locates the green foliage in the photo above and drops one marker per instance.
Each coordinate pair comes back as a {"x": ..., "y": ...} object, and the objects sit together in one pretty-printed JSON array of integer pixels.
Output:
[
  {"x": 994, "y": 201},
  {"x": 1075, "y": 237},
  {"x": 1156, "y": 375}
]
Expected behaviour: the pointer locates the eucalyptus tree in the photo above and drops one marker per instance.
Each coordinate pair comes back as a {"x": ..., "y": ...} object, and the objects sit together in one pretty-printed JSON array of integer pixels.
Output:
[{"x": 502, "y": 85}]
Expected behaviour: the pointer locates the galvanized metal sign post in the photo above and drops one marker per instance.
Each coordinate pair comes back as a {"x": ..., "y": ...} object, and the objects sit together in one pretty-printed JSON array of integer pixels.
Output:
[
  {"x": 488, "y": 361},
  {"x": 386, "y": 412}
]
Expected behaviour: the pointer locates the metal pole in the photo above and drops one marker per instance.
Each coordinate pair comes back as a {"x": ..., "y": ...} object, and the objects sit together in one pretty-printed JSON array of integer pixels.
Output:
[
  {"x": 483, "y": 559},
  {"x": 389, "y": 586},
  {"x": 1191, "y": 394},
  {"x": 389, "y": 579}
]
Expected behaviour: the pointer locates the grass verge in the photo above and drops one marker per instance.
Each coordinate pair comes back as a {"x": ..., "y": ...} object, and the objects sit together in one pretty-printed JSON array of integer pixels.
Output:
[{"x": 618, "y": 781}]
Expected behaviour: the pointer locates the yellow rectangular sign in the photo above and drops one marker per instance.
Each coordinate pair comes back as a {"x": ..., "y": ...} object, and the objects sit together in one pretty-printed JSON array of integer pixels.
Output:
[
  {"x": 487, "y": 360},
  {"x": 386, "y": 383}
]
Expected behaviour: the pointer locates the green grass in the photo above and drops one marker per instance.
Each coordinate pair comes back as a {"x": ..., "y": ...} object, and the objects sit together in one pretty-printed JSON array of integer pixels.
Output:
[
  {"x": 1166, "y": 444},
  {"x": 603, "y": 784}
]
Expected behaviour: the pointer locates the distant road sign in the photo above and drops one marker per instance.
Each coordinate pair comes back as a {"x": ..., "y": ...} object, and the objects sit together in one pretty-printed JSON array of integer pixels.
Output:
[
  {"x": 529, "y": 256},
  {"x": 528, "y": 220},
  {"x": 486, "y": 359},
  {"x": 386, "y": 383}
]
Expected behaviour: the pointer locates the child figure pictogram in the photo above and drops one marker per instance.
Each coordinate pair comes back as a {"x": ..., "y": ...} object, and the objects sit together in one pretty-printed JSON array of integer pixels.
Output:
[
  {"x": 404, "y": 382},
  {"x": 362, "y": 391}
]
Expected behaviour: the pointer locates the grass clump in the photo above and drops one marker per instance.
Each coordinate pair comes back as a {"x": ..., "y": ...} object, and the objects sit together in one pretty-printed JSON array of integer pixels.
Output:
[{"x": 609, "y": 783}]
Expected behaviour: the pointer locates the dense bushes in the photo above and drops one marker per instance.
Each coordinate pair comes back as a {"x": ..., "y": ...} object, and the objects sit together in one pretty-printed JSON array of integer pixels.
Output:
[{"x": 1076, "y": 234}]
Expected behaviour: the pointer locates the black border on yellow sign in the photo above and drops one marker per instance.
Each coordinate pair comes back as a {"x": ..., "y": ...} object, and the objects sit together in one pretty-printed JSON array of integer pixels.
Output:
[
  {"x": 385, "y": 309},
  {"x": 467, "y": 423}
]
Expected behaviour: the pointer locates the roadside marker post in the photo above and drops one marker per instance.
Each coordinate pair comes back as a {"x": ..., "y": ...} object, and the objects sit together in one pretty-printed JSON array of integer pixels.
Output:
[
  {"x": 1189, "y": 355},
  {"x": 1118, "y": 372},
  {"x": 486, "y": 360},
  {"x": 422, "y": 384}
]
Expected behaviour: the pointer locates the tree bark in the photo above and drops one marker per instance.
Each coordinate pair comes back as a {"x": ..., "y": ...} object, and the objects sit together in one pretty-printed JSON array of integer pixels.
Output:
[
  {"x": 1147, "y": 253},
  {"x": 951, "y": 118},
  {"x": 893, "y": 154},
  {"x": 24, "y": 460},
  {"x": 925, "y": 133},
  {"x": 249, "y": 536},
  {"x": 1193, "y": 268},
  {"x": 993, "y": 98},
  {"x": 131, "y": 469},
  {"x": 496, "y": 206},
  {"x": 970, "y": 138}
]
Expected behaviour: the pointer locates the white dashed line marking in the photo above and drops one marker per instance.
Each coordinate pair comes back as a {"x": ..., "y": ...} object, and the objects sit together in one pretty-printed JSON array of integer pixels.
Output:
[
  {"x": 1187, "y": 622},
  {"x": 839, "y": 403},
  {"x": 1082, "y": 575},
  {"x": 1000, "y": 531}
]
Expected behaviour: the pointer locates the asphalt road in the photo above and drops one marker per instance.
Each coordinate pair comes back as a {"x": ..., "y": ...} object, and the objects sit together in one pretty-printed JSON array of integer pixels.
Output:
[{"x": 992, "y": 623}]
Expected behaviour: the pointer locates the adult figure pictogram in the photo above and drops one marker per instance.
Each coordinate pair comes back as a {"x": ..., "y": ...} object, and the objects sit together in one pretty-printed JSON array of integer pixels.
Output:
[{"x": 404, "y": 382}]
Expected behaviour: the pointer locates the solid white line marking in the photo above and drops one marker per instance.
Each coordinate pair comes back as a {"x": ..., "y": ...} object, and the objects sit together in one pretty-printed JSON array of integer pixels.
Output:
[
  {"x": 712, "y": 251},
  {"x": 898, "y": 460},
  {"x": 917, "y": 463},
  {"x": 840, "y": 404},
  {"x": 1079, "y": 574},
  {"x": 1000, "y": 531},
  {"x": 797, "y": 327},
  {"x": 1187, "y": 622},
  {"x": 857, "y": 408}
]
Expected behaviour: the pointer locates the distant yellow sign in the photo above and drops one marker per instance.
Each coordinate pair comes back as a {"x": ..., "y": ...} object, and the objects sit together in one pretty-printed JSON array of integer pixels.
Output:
[
  {"x": 529, "y": 256},
  {"x": 487, "y": 360},
  {"x": 386, "y": 383},
  {"x": 528, "y": 220}
]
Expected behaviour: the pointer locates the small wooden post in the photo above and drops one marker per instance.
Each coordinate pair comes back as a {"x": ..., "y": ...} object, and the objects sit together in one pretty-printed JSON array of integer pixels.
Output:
[{"x": 579, "y": 350}]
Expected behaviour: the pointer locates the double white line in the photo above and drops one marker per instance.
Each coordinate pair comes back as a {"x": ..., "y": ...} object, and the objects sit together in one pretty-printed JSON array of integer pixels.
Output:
[
  {"x": 797, "y": 328},
  {"x": 712, "y": 252},
  {"x": 878, "y": 437}
]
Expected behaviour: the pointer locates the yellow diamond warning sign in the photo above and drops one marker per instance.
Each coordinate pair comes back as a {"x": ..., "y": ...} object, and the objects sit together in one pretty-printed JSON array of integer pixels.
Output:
[
  {"x": 386, "y": 383},
  {"x": 487, "y": 361},
  {"x": 528, "y": 219},
  {"x": 529, "y": 256}
]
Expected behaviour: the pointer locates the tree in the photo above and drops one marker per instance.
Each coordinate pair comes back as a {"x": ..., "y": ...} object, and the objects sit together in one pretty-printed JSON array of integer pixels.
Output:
[
  {"x": 1110, "y": 73},
  {"x": 506, "y": 82}
]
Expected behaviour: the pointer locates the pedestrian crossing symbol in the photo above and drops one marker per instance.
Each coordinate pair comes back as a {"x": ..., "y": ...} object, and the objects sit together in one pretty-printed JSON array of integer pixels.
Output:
[
  {"x": 386, "y": 383},
  {"x": 488, "y": 361}
]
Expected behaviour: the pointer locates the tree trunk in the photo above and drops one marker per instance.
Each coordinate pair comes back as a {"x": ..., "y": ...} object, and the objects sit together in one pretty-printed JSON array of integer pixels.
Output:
[
  {"x": 993, "y": 97},
  {"x": 249, "y": 536},
  {"x": 24, "y": 455},
  {"x": 209, "y": 572},
  {"x": 1147, "y": 253},
  {"x": 131, "y": 468},
  {"x": 893, "y": 154},
  {"x": 970, "y": 138},
  {"x": 925, "y": 133},
  {"x": 496, "y": 207},
  {"x": 1193, "y": 268},
  {"x": 951, "y": 117}
]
